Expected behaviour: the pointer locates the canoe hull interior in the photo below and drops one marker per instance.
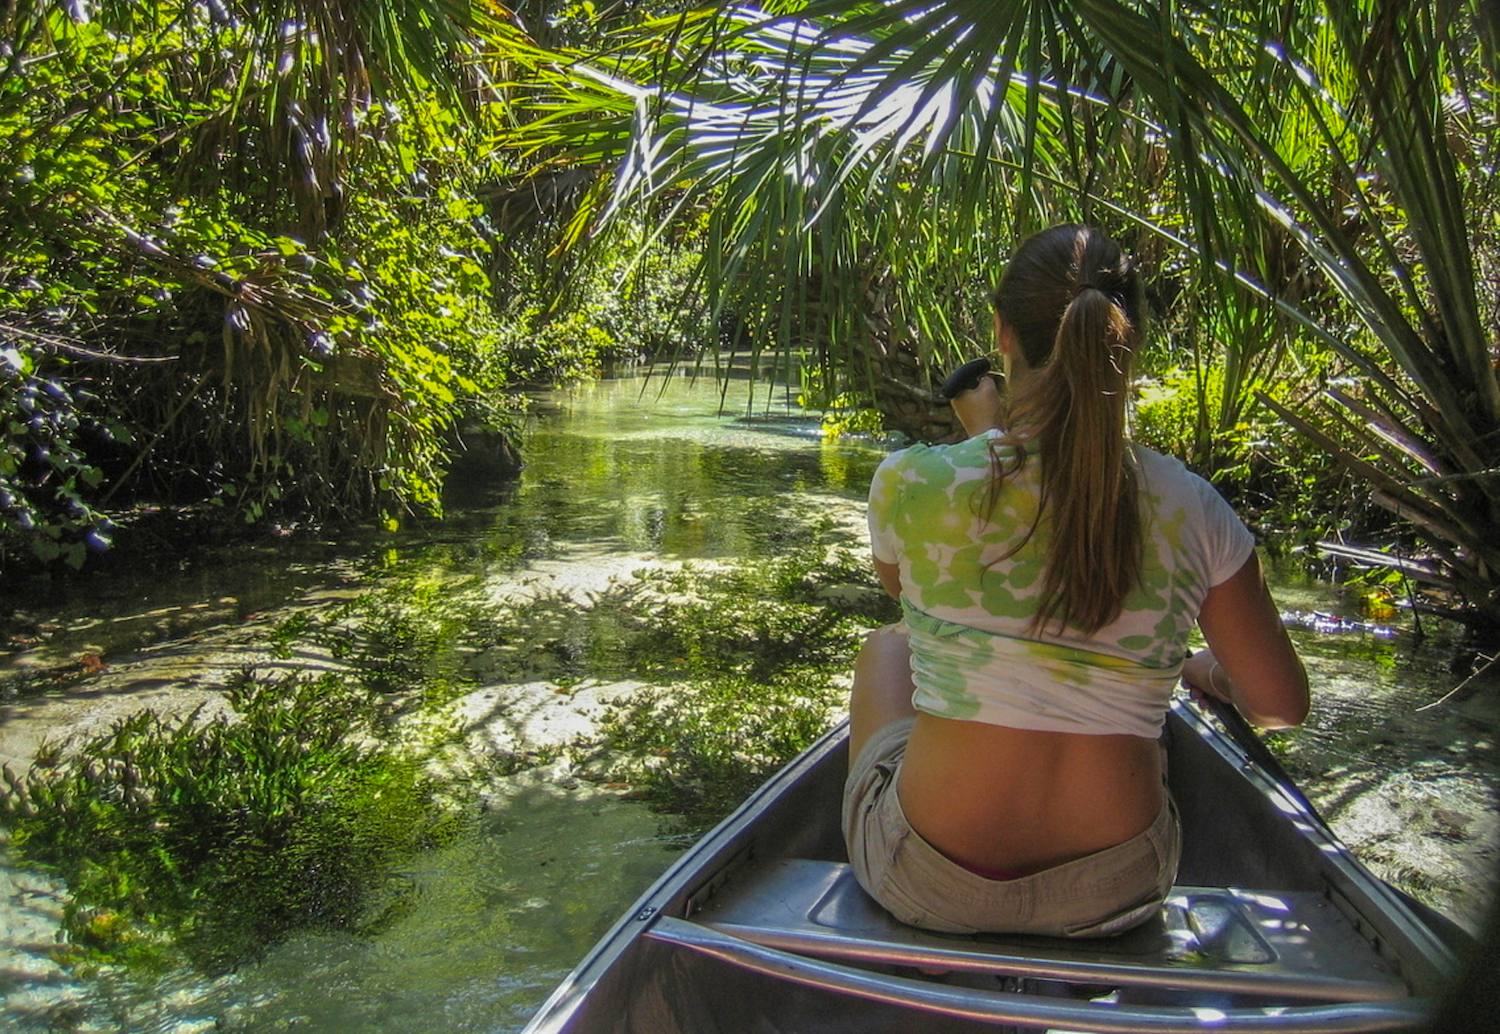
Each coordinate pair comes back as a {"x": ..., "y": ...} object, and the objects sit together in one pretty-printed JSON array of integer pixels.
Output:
[{"x": 759, "y": 927}]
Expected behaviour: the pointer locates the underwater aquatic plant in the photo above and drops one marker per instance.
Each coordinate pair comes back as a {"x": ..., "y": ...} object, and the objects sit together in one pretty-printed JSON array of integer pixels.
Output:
[{"x": 216, "y": 836}]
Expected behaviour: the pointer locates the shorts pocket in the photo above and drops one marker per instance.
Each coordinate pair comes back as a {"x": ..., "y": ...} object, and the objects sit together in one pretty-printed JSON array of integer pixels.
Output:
[
  {"x": 894, "y": 898},
  {"x": 1125, "y": 919}
]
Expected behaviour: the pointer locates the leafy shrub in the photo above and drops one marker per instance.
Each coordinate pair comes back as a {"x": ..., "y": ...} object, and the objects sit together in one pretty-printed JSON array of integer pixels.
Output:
[
  {"x": 46, "y": 480},
  {"x": 277, "y": 342},
  {"x": 1287, "y": 487},
  {"x": 845, "y": 411}
]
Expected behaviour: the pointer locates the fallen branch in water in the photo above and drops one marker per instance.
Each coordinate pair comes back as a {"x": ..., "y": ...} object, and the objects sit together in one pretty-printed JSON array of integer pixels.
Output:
[{"x": 1489, "y": 662}]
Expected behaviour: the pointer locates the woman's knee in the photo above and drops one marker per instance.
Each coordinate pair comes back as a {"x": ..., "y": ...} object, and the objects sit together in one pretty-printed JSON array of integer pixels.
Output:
[
  {"x": 885, "y": 647},
  {"x": 882, "y": 684}
]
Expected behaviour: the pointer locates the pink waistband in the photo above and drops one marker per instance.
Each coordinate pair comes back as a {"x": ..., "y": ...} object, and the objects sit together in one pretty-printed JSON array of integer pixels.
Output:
[{"x": 989, "y": 873}]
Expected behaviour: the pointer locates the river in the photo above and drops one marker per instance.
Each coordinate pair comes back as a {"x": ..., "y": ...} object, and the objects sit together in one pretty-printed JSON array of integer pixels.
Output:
[{"x": 620, "y": 474}]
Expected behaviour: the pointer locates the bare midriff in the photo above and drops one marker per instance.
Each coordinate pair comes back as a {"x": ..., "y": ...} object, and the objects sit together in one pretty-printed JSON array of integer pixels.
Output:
[{"x": 1021, "y": 800}]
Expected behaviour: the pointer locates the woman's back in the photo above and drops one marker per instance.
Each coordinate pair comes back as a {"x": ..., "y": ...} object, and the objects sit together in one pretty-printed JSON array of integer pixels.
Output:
[
  {"x": 1049, "y": 734},
  {"x": 971, "y": 581},
  {"x": 1021, "y": 800}
]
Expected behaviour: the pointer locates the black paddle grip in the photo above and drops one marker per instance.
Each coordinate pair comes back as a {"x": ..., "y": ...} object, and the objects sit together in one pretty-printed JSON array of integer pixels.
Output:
[{"x": 965, "y": 378}]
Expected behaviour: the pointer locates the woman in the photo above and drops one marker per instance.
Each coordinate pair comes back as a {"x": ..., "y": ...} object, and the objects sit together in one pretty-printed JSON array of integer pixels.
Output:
[{"x": 1008, "y": 774}]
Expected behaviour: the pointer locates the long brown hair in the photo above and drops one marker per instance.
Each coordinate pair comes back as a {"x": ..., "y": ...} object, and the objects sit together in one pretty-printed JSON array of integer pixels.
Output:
[{"x": 1074, "y": 302}]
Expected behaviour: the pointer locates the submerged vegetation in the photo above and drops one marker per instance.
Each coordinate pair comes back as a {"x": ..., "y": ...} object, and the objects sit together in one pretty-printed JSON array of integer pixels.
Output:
[
  {"x": 214, "y": 835},
  {"x": 739, "y": 667},
  {"x": 745, "y": 668},
  {"x": 211, "y": 836}
]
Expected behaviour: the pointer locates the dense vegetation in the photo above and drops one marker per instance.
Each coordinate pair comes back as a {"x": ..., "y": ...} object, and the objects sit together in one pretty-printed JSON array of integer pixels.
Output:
[
  {"x": 268, "y": 258},
  {"x": 1311, "y": 187},
  {"x": 274, "y": 258}
]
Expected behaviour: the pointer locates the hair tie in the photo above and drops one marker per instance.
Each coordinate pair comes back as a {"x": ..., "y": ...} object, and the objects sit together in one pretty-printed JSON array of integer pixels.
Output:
[{"x": 1115, "y": 298}]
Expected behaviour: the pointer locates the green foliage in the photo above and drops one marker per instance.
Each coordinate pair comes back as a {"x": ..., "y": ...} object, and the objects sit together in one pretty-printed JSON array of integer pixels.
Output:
[
  {"x": 46, "y": 480},
  {"x": 216, "y": 836},
  {"x": 1317, "y": 173},
  {"x": 1172, "y": 410},
  {"x": 259, "y": 263},
  {"x": 629, "y": 299},
  {"x": 271, "y": 263},
  {"x": 1292, "y": 492},
  {"x": 557, "y": 350},
  {"x": 844, "y": 412}
]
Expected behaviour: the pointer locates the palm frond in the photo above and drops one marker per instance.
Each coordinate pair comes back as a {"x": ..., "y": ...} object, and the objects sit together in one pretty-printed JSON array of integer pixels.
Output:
[{"x": 1310, "y": 169}]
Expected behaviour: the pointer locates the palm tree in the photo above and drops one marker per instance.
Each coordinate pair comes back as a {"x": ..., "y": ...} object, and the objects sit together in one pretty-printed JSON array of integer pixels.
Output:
[{"x": 1306, "y": 173}]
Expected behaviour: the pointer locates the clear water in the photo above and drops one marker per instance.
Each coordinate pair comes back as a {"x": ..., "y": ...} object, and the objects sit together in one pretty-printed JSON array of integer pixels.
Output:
[
  {"x": 492, "y": 924},
  {"x": 619, "y": 473}
]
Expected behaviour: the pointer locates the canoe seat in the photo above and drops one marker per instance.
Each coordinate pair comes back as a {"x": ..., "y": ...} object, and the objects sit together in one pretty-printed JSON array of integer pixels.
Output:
[{"x": 1272, "y": 945}]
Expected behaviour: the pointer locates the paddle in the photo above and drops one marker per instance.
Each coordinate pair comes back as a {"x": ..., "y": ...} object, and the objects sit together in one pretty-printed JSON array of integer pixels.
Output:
[{"x": 965, "y": 378}]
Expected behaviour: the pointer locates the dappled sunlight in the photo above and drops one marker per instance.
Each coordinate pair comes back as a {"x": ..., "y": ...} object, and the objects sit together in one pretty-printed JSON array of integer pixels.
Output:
[
  {"x": 545, "y": 586},
  {"x": 1270, "y": 902}
]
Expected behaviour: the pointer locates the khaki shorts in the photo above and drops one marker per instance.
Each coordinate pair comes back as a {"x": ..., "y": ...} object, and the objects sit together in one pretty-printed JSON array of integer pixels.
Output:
[{"x": 1103, "y": 893}]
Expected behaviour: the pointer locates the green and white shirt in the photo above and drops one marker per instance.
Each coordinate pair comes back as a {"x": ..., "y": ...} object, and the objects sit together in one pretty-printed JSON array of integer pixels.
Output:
[{"x": 968, "y": 611}]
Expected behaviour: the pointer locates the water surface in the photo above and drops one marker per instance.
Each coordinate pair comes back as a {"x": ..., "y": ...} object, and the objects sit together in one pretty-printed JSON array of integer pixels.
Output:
[{"x": 620, "y": 474}]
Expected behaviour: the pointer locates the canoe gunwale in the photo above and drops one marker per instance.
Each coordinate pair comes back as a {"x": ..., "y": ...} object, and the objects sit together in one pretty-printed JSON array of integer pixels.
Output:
[{"x": 1003, "y": 1007}]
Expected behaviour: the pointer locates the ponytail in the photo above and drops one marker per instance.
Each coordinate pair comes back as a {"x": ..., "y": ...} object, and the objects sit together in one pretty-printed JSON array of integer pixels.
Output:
[{"x": 1074, "y": 303}]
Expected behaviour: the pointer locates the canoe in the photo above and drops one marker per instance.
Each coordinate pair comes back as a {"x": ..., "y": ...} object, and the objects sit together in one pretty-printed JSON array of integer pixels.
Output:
[{"x": 1272, "y": 926}]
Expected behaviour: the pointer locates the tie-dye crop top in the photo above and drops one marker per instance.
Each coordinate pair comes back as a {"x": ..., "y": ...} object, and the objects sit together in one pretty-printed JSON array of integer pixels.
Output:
[{"x": 968, "y": 611}]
